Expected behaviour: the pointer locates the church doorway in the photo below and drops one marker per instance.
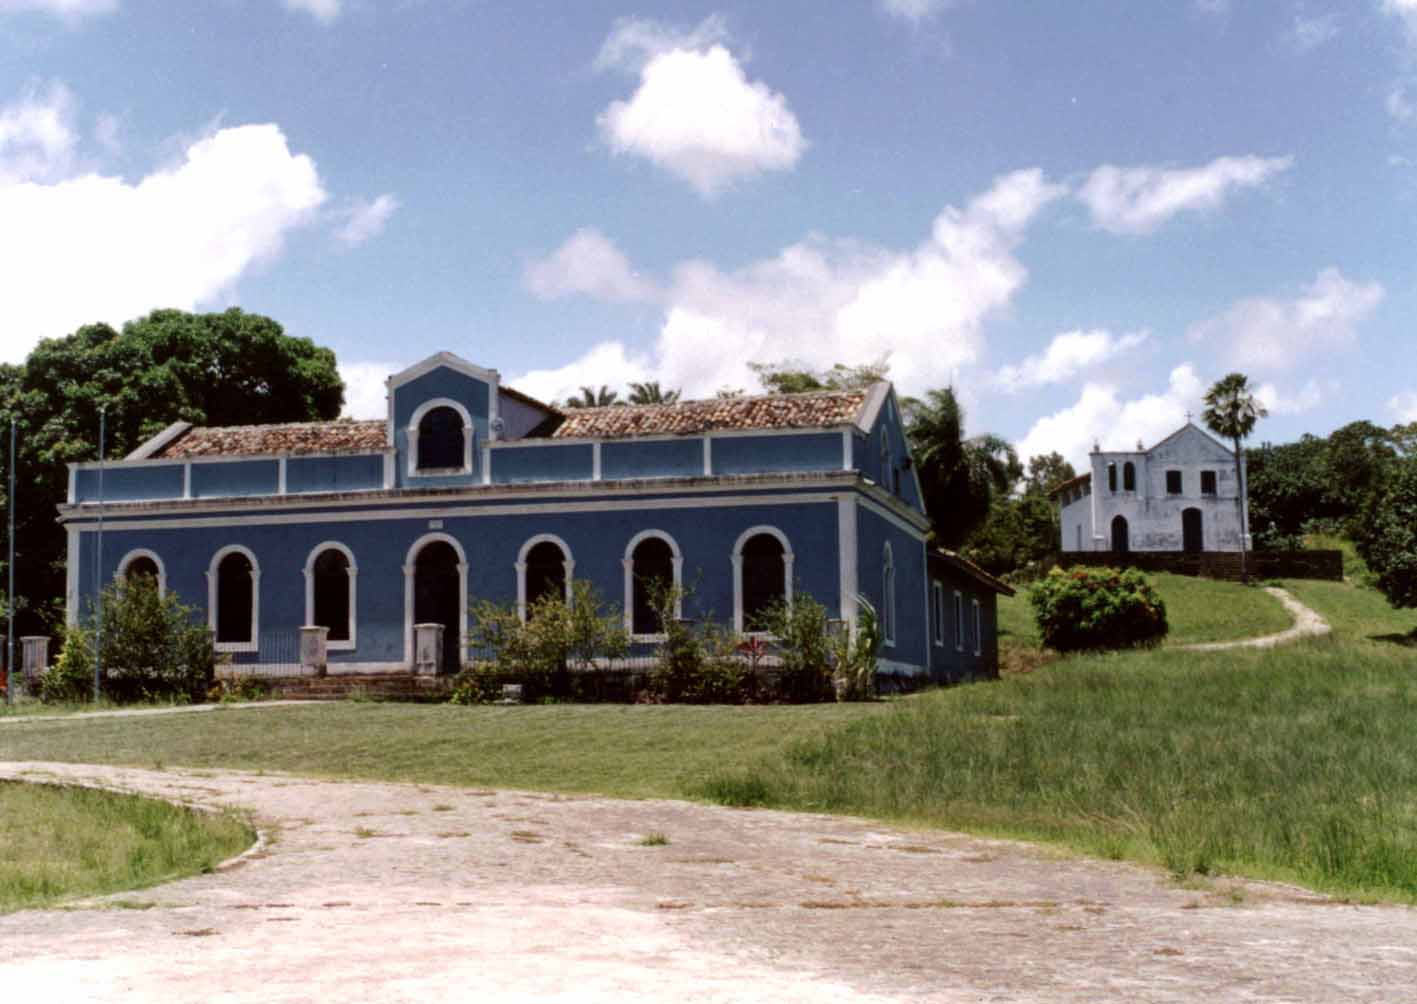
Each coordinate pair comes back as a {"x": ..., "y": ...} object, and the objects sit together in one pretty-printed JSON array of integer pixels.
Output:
[
  {"x": 1192, "y": 535},
  {"x": 1120, "y": 543}
]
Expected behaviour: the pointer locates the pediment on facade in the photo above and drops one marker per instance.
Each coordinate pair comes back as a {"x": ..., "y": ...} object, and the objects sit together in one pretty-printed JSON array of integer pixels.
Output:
[{"x": 1194, "y": 443}]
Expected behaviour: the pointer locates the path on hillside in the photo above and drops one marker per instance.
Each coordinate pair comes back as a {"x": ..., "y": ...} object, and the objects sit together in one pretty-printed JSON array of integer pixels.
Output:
[
  {"x": 391, "y": 892},
  {"x": 1307, "y": 624}
]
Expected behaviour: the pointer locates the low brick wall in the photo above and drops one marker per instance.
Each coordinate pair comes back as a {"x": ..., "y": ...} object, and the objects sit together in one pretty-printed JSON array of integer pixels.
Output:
[{"x": 1219, "y": 564}]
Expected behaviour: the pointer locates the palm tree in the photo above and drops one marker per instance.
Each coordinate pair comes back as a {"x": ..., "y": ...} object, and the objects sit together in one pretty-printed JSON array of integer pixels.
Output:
[
  {"x": 1231, "y": 411},
  {"x": 959, "y": 476},
  {"x": 589, "y": 397},
  {"x": 650, "y": 393}
]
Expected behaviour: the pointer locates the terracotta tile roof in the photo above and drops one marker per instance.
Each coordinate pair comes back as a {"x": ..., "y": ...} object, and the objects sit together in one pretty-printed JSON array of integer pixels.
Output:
[
  {"x": 687, "y": 418},
  {"x": 1057, "y": 489},
  {"x": 291, "y": 437},
  {"x": 969, "y": 568}
]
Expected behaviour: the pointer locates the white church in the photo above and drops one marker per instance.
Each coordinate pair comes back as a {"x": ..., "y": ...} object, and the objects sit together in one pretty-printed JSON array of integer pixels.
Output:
[{"x": 1179, "y": 495}]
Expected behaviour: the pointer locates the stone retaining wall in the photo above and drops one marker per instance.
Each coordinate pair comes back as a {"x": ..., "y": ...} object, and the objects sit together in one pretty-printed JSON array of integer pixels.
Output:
[{"x": 1218, "y": 564}]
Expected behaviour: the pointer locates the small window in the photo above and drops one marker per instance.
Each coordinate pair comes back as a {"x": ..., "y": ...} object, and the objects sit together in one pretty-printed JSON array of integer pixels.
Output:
[
  {"x": 937, "y": 609},
  {"x": 1129, "y": 477},
  {"x": 978, "y": 629},
  {"x": 885, "y": 460},
  {"x": 888, "y": 623},
  {"x": 1207, "y": 482},
  {"x": 1173, "y": 482},
  {"x": 1111, "y": 477},
  {"x": 959, "y": 621},
  {"x": 441, "y": 445}
]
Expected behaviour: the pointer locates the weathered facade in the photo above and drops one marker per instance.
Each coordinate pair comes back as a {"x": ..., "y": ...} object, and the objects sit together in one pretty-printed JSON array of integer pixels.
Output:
[
  {"x": 470, "y": 490},
  {"x": 1179, "y": 495}
]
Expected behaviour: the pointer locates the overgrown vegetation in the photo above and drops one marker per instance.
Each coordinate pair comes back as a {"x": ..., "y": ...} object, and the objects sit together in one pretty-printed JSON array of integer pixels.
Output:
[
  {"x": 1091, "y": 609},
  {"x": 62, "y": 841},
  {"x": 154, "y": 649}
]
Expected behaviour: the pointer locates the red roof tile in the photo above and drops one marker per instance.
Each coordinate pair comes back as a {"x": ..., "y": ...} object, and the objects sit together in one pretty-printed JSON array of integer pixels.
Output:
[
  {"x": 291, "y": 437},
  {"x": 687, "y": 418}
]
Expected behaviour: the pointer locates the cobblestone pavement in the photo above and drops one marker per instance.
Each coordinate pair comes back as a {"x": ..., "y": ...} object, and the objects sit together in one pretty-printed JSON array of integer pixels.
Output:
[{"x": 388, "y": 892}]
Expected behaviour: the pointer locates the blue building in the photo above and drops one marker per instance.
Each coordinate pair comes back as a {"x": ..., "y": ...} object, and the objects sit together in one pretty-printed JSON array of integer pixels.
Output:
[{"x": 471, "y": 490}]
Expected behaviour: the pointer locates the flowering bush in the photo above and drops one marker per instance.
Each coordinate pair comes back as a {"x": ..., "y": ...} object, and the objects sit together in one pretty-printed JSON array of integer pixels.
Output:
[{"x": 1097, "y": 608}]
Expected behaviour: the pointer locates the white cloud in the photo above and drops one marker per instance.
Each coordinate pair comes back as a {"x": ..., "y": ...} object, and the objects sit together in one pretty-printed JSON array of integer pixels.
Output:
[
  {"x": 589, "y": 264},
  {"x": 1067, "y": 355},
  {"x": 1399, "y": 105},
  {"x": 364, "y": 219},
  {"x": 1309, "y": 397},
  {"x": 1406, "y": 11},
  {"x": 1404, "y": 406},
  {"x": 822, "y": 301},
  {"x": 1267, "y": 333},
  {"x": 914, "y": 11},
  {"x": 696, "y": 115},
  {"x": 364, "y": 388},
  {"x": 1137, "y": 200},
  {"x": 1100, "y": 416},
  {"x": 37, "y": 137},
  {"x": 1308, "y": 33},
  {"x": 323, "y": 11},
  {"x": 70, "y": 10},
  {"x": 96, "y": 248},
  {"x": 607, "y": 364},
  {"x": 634, "y": 41}
]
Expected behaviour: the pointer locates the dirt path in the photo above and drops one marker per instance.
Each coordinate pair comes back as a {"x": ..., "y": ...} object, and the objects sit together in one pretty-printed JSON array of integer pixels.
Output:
[
  {"x": 1307, "y": 624},
  {"x": 384, "y": 892}
]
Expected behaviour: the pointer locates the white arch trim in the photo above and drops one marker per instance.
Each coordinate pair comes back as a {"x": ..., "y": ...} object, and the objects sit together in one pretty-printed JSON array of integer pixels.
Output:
[
  {"x": 417, "y": 420},
  {"x": 409, "y": 566},
  {"x": 134, "y": 555},
  {"x": 566, "y": 560},
  {"x": 738, "y": 545},
  {"x": 235, "y": 646},
  {"x": 353, "y": 570},
  {"x": 629, "y": 564}
]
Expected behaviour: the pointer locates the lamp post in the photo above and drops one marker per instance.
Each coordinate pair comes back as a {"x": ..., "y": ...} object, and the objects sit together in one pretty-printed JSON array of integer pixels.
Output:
[
  {"x": 98, "y": 562},
  {"x": 10, "y": 596}
]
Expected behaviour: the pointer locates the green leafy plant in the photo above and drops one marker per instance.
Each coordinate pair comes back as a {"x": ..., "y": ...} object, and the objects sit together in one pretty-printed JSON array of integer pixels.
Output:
[
  {"x": 70, "y": 678},
  {"x": 854, "y": 657},
  {"x": 1097, "y": 608},
  {"x": 802, "y": 636},
  {"x": 154, "y": 648}
]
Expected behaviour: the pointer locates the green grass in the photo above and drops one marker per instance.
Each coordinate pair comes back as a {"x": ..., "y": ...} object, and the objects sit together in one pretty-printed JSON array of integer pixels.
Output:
[
  {"x": 60, "y": 842},
  {"x": 1356, "y": 614},
  {"x": 1197, "y": 610},
  {"x": 631, "y": 750}
]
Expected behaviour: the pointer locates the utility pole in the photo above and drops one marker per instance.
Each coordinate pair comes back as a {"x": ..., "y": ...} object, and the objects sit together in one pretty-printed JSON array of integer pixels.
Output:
[
  {"x": 98, "y": 563},
  {"x": 10, "y": 596}
]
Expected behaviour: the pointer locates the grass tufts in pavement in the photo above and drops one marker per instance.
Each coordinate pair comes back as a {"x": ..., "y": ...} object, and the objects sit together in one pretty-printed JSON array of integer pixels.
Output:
[{"x": 61, "y": 841}]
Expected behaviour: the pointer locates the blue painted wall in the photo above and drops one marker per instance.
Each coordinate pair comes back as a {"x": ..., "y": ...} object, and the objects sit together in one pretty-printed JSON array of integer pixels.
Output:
[
  {"x": 235, "y": 477},
  {"x": 912, "y": 612},
  {"x": 597, "y": 540},
  {"x": 572, "y": 462},
  {"x": 470, "y": 392},
  {"x": 868, "y": 456},
  {"x": 334, "y": 474},
  {"x": 129, "y": 484},
  {"x": 818, "y": 451},
  {"x": 948, "y": 664},
  {"x": 655, "y": 458}
]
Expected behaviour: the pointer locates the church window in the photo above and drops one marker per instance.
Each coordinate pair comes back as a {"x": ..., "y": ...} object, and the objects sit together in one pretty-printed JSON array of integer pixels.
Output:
[
  {"x": 1207, "y": 482},
  {"x": 1173, "y": 482},
  {"x": 1129, "y": 477}
]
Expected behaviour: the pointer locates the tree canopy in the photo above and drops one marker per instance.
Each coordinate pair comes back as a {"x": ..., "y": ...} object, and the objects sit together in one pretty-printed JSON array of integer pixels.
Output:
[
  {"x": 1387, "y": 534},
  {"x": 227, "y": 368}
]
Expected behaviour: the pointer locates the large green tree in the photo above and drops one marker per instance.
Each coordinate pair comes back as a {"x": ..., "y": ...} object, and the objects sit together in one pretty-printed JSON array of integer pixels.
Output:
[
  {"x": 1022, "y": 527},
  {"x": 1387, "y": 534},
  {"x": 1231, "y": 410},
  {"x": 960, "y": 476},
  {"x": 228, "y": 368}
]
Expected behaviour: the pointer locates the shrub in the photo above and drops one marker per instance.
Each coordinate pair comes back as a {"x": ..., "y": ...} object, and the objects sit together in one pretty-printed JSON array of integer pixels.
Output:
[
  {"x": 1097, "y": 608},
  {"x": 70, "y": 678},
  {"x": 696, "y": 663},
  {"x": 1387, "y": 539},
  {"x": 154, "y": 648},
  {"x": 855, "y": 675},
  {"x": 802, "y": 635},
  {"x": 539, "y": 653}
]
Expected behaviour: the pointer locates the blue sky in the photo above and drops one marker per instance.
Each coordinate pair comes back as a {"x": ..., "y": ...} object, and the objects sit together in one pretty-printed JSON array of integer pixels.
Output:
[{"x": 1079, "y": 215}]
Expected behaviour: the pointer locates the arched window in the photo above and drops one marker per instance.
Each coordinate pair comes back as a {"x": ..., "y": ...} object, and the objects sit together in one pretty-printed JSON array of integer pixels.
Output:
[
  {"x": 762, "y": 576},
  {"x": 234, "y": 599},
  {"x": 1111, "y": 477},
  {"x": 885, "y": 459},
  {"x": 1129, "y": 477},
  {"x": 440, "y": 438},
  {"x": 330, "y": 596},
  {"x": 652, "y": 565},
  {"x": 544, "y": 568},
  {"x": 888, "y": 596},
  {"x": 142, "y": 562}
]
